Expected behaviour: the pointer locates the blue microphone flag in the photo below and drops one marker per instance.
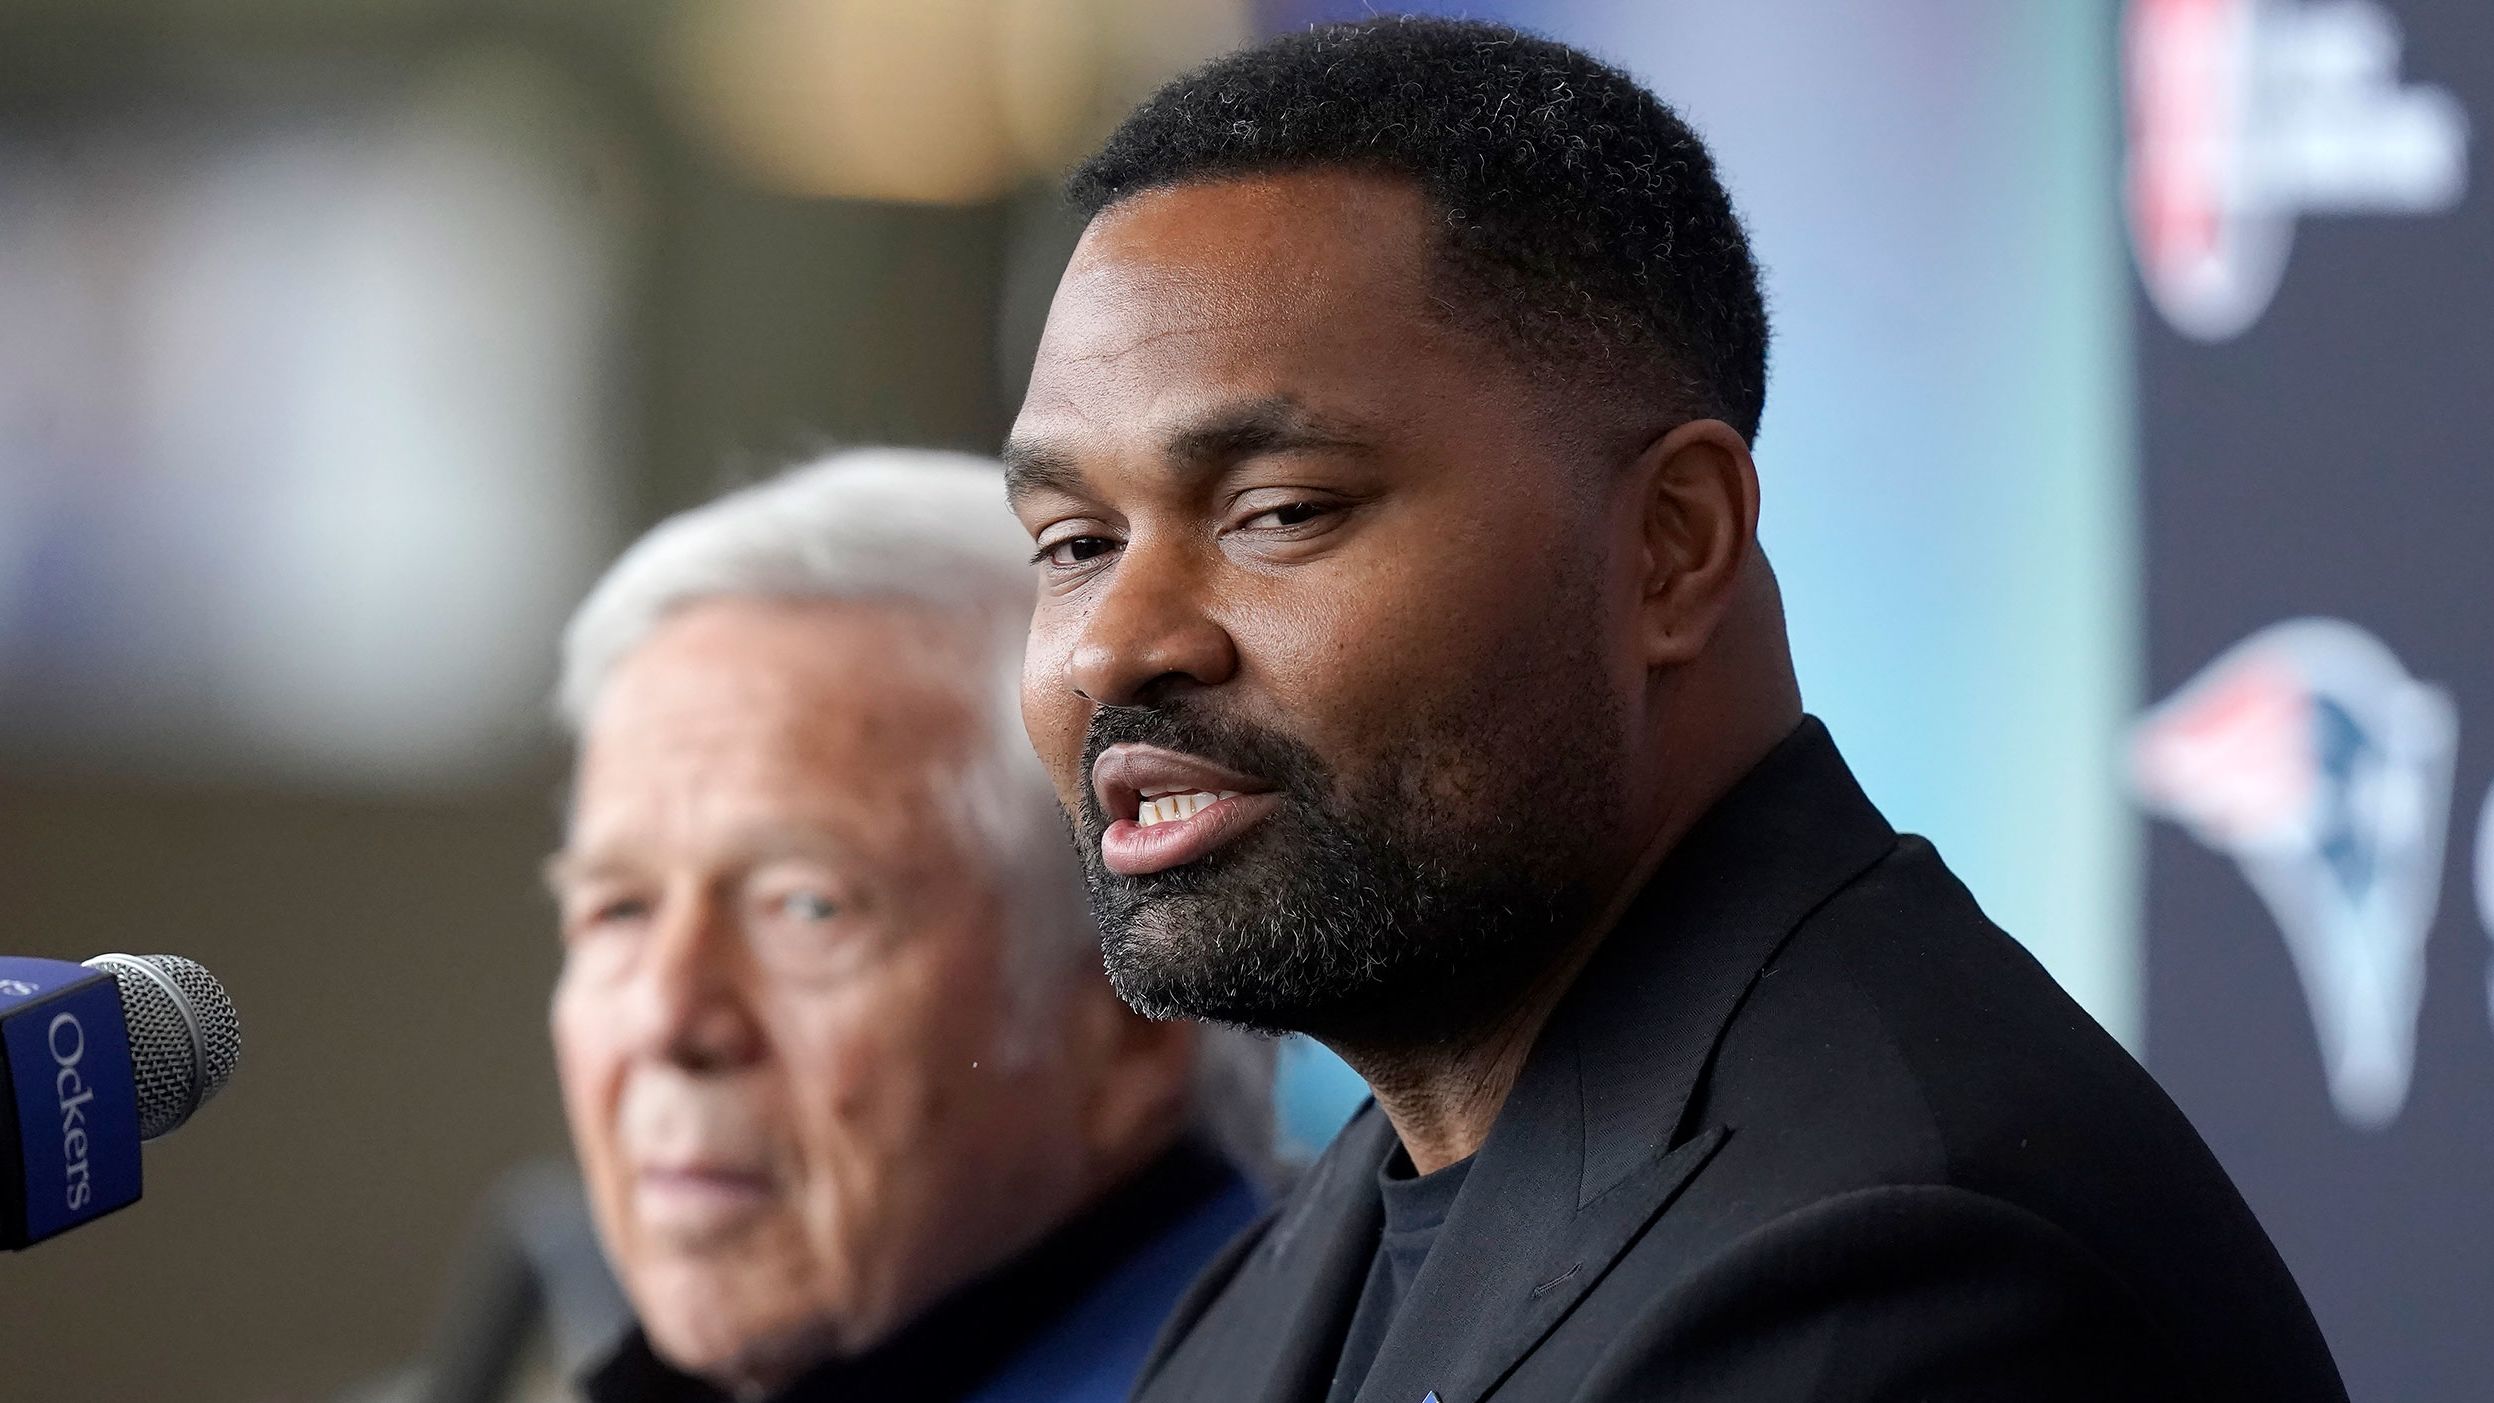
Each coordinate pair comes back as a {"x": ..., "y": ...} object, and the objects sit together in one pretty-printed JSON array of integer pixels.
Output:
[{"x": 69, "y": 1126}]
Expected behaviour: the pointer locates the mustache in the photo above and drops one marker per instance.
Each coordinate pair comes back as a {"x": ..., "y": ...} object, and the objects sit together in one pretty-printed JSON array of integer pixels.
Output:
[{"x": 1283, "y": 761}]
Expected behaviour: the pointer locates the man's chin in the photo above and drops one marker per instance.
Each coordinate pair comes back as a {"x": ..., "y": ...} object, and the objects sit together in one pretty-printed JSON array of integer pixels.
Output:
[
  {"x": 1169, "y": 1001},
  {"x": 732, "y": 1333},
  {"x": 1164, "y": 971}
]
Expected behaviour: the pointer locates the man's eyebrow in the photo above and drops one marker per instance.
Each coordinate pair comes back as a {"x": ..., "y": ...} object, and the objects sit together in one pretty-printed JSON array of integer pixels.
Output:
[
  {"x": 1037, "y": 467},
  {"x": 568, "y": 867},
  {"x": 748, "y": 847},
  {"x": 1274, "y": 424},
  {"x": 1211, "y": 442}
]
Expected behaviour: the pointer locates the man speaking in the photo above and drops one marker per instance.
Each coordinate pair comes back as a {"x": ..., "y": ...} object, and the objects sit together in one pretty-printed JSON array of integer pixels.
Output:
[{"x": 1406, "y": 658}]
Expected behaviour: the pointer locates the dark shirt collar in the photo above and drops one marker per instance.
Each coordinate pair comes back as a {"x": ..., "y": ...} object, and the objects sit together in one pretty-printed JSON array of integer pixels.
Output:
[
  {"x": 1415, "y": 1207},
  {"x": 1417, "y": 1203},
  {"x": 965, "y": 1338}
]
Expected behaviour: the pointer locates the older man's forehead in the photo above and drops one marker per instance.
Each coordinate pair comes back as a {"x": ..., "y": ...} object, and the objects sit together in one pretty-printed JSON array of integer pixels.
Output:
[
  {"x": 731, "y": 729},
  {"x": 732, "y": 663}
]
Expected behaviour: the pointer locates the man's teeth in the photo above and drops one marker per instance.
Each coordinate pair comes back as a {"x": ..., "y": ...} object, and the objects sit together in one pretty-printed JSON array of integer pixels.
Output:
[{"x": 1169, "y": 808}]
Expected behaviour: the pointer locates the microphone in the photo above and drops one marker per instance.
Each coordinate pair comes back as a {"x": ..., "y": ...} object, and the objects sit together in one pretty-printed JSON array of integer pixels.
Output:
[{"x": 95, "y": 1058}]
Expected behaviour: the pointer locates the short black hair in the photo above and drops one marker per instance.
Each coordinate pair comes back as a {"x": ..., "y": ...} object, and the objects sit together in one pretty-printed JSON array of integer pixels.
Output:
[{"x": 1585, "y": 226}]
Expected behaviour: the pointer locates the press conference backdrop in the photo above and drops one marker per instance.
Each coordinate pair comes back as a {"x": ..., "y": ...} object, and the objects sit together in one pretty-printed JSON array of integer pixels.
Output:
[{"x": 2310, "y": 199}]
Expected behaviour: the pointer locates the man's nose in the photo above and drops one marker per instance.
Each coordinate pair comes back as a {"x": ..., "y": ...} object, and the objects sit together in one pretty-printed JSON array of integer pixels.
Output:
[
  {"x": 692, "y": 1001},
  {"x": 1149, "y": 632}
]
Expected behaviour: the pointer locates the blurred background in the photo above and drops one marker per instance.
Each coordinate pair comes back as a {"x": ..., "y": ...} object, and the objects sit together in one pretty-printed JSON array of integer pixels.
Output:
[{"x": 2126, "y": 461}]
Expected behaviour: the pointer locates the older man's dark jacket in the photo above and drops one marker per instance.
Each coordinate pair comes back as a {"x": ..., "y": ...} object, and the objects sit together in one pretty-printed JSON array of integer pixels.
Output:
[
  {"x": 1807, "y": 1127},
  {"x": 1068, "y": 1321}
]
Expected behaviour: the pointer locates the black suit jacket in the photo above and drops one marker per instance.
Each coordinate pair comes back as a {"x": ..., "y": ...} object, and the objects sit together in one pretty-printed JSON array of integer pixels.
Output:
[{"x": 1807, "y": 1127}]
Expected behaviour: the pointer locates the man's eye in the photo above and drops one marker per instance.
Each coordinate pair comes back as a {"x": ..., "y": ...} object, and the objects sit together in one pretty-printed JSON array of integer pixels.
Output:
[
  {"x": 1291, "y": 514},
  {"x": 611, "y": 913},
  {"x": 808, "y": 906},
  {"x": 1073, "y": 550}
]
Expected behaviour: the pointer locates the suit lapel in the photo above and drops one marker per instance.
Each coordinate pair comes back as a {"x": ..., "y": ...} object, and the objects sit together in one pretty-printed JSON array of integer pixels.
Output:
[
  {"x": 1596, "y": 1139},
  {"x": 1286, "y": 1308}
]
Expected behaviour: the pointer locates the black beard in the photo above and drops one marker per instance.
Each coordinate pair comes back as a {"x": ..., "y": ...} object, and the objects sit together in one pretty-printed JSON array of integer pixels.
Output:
[{"x": 1403, "y": 910}]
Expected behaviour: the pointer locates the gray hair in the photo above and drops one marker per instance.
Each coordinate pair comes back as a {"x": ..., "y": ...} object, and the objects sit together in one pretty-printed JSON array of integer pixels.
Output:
[{"x": 926, "y": 529}]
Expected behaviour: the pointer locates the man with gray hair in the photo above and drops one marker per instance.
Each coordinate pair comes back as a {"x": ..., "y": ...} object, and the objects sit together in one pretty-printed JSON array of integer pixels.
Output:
[{"x": 857, "y": 1111}]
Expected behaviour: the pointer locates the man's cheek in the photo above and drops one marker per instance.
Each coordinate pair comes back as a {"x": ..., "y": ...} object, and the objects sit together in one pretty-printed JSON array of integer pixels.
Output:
[
  {"x": 1055, "y": 720},
  {"x": 592, "y": 1095},
  {"x": 1330, "y": 686}
]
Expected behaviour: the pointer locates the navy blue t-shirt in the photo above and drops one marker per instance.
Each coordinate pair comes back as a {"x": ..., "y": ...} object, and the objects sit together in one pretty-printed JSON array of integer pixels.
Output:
[{"x": 1416, "y": 1207}]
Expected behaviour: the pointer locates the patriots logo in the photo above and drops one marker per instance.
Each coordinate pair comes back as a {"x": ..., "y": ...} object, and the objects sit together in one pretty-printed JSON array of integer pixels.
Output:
[
  {"x": 2244, "y": 115},
  {"x": 2309, "y": 755}
]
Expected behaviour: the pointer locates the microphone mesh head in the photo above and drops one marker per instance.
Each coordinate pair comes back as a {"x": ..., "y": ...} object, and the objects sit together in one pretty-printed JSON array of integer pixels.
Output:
[{"x": 184, "y": 1038}]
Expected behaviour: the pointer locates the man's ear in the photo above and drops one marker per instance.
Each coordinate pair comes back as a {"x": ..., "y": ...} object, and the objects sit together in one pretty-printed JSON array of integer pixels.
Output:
[
  {"x": 1142, "y": 1075},
  {"x": 1696, "y": 493}
]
